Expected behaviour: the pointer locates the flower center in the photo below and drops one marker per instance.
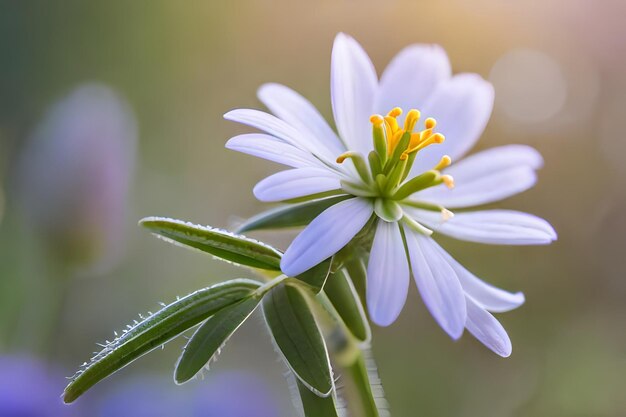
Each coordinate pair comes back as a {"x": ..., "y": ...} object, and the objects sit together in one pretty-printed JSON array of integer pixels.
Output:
[{"x": 384, "y": 175}]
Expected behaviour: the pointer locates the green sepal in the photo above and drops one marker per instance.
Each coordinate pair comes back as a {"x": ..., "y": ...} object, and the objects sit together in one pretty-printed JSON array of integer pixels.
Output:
[
  {"x": 220, "y": 243},
  {"x": 156, "y": 330},
  {"x": 206, "y": 341},
  {"x": 344, "y": 298},
  {"x": 317, "y": 276},
  {"x": 295, "y": 215},
  {"x": 297, "y": 336},
  {"x": 388, "y": 210},
  {"x": 316, "y": 406}
]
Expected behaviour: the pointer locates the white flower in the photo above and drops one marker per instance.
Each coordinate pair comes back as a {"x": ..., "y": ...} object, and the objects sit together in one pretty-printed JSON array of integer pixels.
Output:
[{"x": 402, "y": 176}]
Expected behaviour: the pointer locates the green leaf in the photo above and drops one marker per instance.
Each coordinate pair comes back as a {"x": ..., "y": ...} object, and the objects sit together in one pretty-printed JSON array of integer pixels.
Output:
[
  {"x": 316, "y": 277},
  {"x": 296, "y": 334},
  {"x": 220, "y": 243},
  {"x": 295, "y": 215},
  {"x": 210, "y": 336},
  {"x": 315, "y": 406},
  {"x": 343, "y": 296},
  {"x": 156, "y": 330}
]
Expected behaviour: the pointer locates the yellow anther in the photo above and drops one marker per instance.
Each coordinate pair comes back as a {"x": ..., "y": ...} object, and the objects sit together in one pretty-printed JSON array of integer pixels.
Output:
[
  {"x": 443, "y": 163},
  {"x": 436, "y": 138},
  {"x": 343, "y": 157},
  {"x": 430, "y": 123},
  {"x": 395, "y": 112},
  {"x": 446, "y": 214},
  {"x": 411, "y": 119},
  {"x": 448, "y": 181},
  {"x": 377, "y": 119}
]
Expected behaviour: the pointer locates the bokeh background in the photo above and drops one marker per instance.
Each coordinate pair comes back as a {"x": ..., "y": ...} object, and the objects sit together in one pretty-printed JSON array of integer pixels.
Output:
[{"x": 173, "y": 69}]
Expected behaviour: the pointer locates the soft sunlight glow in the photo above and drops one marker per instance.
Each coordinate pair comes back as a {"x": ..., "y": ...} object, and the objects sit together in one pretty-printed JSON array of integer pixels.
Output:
[{"x": 530, "y": 84}]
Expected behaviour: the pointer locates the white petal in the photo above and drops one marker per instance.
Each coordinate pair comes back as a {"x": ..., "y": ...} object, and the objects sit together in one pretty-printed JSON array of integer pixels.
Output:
[
  {"x": 273, "y": 149},
  {"x": 387, "y": 275},
  {"x": 411, "y": 77},
  {"x": 480, "y": 190},
  {"x": 353, "y": 84},
  {"x": 487, "y": 176},
  {"x": 327, "y": 234},
  {"x": 462, "y": 107},
  {"x": 498, "y": 227},
  {"x": 296, "y": 183},
  {"x": 495, "y": 159},
  {"x": 275, "y": 127},
  {"x": 437, "y": 283},
  {"x": 302, "y": 115},
  {"x": 487, "y": 329},
  {"x": 489, "y": 297}
]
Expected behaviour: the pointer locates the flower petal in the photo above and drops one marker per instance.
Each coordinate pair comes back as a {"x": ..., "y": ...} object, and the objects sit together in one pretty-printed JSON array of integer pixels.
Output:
[
  {"x": 273, "y": 149},
  {"x": 295, "y": 183},
  {"x": 437, "y": 283},
  {"x": 353, "y": 84},
  {"x": 411, "y": 77},
  {"x": 275, "y": 127},
  {"x": 327, "y": 234},
  {"x": 486, "y": 295},
  {"x": 498, "y": 227},
  {"x": 487, "y": 176},
  {"x": 487, "y": 329},
  {"x": 387, "y": 275},
  {"x": 302, "y": 115},
  {"x": 462, "y": 107}
]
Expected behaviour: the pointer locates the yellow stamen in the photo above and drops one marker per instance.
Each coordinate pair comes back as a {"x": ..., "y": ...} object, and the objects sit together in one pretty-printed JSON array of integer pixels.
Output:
[
  {"x": 415, "y": 140},
  {"x": 391, "y": 125},
  {"x": 443, "y": 163},
  {"x": 395, "y": 112},
  {"x": 430, "y": 123},
  {"x": 446, "y": 214},
  {"x": 448, "y": 181},
  {"x": 436, "y": 138},
  {"x": 411, "y": 119},
  {"x": 377, "y": 119},
  {"x": 341, "y": 158}
]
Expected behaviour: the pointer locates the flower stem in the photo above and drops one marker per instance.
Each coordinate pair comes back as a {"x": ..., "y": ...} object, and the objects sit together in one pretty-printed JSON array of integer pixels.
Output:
[{"x": 358, "y": 373}]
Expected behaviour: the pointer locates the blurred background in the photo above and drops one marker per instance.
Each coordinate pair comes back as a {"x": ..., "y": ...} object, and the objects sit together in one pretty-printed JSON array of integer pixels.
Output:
[{"x": 111, "y": 111}]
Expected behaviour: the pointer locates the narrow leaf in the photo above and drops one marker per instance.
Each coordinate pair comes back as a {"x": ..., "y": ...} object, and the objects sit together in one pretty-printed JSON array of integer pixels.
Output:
[
  {"x": 156, "y": 330},
  {"x": 315, "y": 406},
  {"x": 296, "y": 334},
  {"x": 343, "y": 296},
  {"x": 294, "y": 215},
  {"x": 316, "y": 276},
  {"x": 219, "y": 243},
  {"x": 210, "y": 336}
]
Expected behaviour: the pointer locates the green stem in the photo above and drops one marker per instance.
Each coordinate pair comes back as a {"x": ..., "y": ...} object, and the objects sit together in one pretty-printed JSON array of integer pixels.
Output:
[{"x": 358, "y": 373}]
